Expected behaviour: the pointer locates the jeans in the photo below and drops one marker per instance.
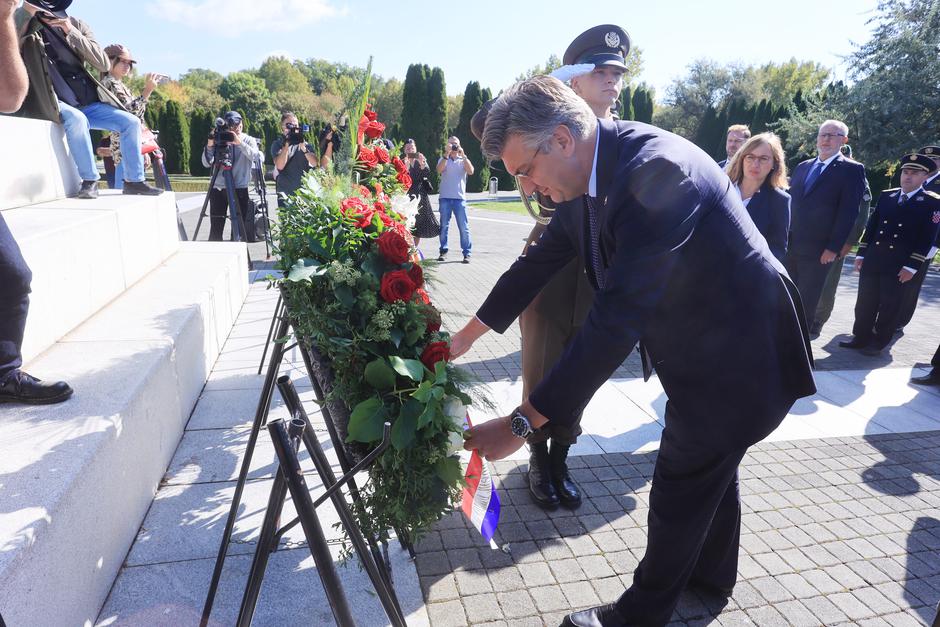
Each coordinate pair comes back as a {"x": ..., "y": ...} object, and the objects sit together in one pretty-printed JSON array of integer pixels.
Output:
[
  {"x": 78, "y": 122},
  {"x": 457, "y": 207},
  {"x": 15, "y": 278}
]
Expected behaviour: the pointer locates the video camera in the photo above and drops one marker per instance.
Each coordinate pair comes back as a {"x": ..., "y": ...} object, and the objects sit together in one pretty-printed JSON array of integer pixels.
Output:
[
  {"x": 223, "y": 133},
  {"x": 295, "y": 134}
]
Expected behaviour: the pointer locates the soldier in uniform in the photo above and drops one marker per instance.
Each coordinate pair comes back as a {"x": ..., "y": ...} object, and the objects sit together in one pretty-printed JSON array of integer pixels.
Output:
[
  {"x": 897, "y": 238},
  {"x": 827, "y": 299},
  {"x": 555, "y": 316},
  {"x": 912, "y": 294}
]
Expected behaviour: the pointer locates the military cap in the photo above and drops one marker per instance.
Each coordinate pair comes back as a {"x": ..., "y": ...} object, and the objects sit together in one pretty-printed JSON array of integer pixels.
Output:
[
  {"x": 478, "y": 121},
  {"x": 915, "y": 161},
  {"x": 606, "y": 44},
  {"x": 930, "y": 151}
]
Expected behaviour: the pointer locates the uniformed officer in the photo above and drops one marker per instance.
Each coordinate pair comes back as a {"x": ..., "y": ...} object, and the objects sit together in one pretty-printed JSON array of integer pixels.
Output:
[
  {"x": 595, "y": 60},
  {"x": 911, "y": 295},
  {"x": 897, "y": 238}
]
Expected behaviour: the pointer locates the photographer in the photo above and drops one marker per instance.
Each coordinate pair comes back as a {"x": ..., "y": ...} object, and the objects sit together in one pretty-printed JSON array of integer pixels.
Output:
[
  {"x": 293, "y": 156},
  {"x": 454, "y": 167},
  {"x": 243, "y": 151},
  {"x": 329, "y": 140}
]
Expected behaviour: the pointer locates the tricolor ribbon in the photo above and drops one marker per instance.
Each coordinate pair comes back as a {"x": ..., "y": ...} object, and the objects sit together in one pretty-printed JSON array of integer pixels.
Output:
[{"x": 480, "y": 499}]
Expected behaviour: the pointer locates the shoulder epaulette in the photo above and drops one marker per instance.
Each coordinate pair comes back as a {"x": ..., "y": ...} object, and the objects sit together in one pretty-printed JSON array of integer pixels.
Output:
[
  {"x": 892, "y": 189},
  {"x": 933, "y": 195}
]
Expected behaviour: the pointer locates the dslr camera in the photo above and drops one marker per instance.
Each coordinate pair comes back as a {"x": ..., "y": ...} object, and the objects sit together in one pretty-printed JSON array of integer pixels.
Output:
[
  {"x": 223, "y": 133},
  {"x": 295, "y": 134}
]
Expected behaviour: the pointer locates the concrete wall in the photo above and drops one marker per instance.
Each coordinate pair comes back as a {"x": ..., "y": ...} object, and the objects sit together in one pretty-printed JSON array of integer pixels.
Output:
[{"x": 35, "y": 163}]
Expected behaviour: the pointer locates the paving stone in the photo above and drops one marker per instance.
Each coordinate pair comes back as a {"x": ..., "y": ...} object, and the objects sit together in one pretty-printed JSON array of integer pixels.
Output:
[
  {"x": 851, "y": 606},
  {"x": 767, "y": 616},
  {"x": 482, "y": 607},
  {"x": 465, "y": 559},
  {"x": 797, "y": 586},
  {"x": 771, "y": 589},
  {"x": 554, "y": 549},
  {"x": 874, "y": 600},
  {"x": 549, "y": 598},
  {"x": 735, "y": 618},
  {"x": 608, "y": 589},
  {"x": 506, "y": 579},
  {"x": 845, "y": 576},
  {"x": 516, "y": 604},
  {"x": 528, "y": 621},
  {"x": 796, "y": 614},
  {"x": 566, "y": 570},
  {"x": 472, "y": 582},
  {"x": 582, "y": 545},
  {"x": 432, "y": 564},
  {"x": 439, "y": 588},
  {"x": 447, "y": 614},
  {"x": 538, "y": 574},
  {"x": 595, "y": 566},
  {"x": 772, "y": 563},
  {"x": 823, "y": 609},
  {"x": 579, "y": 594},
  {"x": 622, "y": 562}
]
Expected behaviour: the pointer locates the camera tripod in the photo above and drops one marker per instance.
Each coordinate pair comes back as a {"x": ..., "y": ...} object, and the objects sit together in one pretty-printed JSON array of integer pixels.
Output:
[{"x": 222, "y": 162}]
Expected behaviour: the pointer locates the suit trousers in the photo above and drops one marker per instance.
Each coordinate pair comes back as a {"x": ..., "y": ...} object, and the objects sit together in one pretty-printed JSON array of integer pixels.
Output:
[
  {"x": 827, "y": 299},
  {"x": 694, "y": 525},
  {"x": 912, "y": 295},
  {"x": 879, "y": 300},
  {"x": 15, "y": 279},
  {"x": 809, "y": 276},
  {"x": 218, "y": 211}
]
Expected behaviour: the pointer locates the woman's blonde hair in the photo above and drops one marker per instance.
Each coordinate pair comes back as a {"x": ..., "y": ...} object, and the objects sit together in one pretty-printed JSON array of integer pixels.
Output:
[{"x": 778, "y": 175}]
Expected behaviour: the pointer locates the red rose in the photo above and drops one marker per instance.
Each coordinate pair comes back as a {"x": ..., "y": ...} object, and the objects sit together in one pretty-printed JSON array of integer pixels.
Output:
[
  {"x": 374, "y": 129},
  {"x": 435, "y": 352},
  {"x": 364, "y": 218},
  {"x": 404, "y": 178},
  {"x": 399, "y": 165},
  {"x": 378, "y": 188},
  {"x": 395, "y": 249},
  {"x": 386, "y": 219},
  {"x": 381, "y": 154},
  {"x": 365, "y": 192},
  {"x": 367, "y": 157},
  {"x": 422, "y": 296},
  {"x": 396, "y": 285},
  {"x": 417, "y": 277},
  {"x": 370, "y": 114},
  {"x": 351, "y": 205},
  {"x": 378, "y": 206}
]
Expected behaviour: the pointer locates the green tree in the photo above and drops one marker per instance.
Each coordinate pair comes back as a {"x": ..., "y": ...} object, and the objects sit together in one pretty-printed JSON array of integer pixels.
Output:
[
  {"x": 437, "y": 117},
  {"x": 246, "y": 93},
  {"x": 199, "y": 78},
  {"x": 280, "y": 75},
  {"x": 415, "y": 112},
  {"x": 201, "y": 122},
  {"x": 643, "y": 104},
  {"x": 174, "y": 139},
  {"x": 387, "y": 100},
  {"x": 154, "y": 111},
  {"x": 626, "y": 103},
  {"x": 472, "y": 102}
]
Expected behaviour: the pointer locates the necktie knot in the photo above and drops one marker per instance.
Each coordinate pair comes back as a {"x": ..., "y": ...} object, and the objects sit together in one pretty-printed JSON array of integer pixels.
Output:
[{"x": 813, "y": 174}]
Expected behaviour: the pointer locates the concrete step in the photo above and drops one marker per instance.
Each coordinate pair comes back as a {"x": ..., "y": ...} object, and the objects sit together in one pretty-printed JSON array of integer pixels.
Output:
[
  {"x": 76, "y": 479},
  {"x": 84, "y": 253},
  {"x": 36, "y": 165}
]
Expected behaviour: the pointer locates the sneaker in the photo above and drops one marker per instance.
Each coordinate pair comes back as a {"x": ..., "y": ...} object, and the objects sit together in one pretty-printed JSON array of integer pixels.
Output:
[
  {"x": 141, "y": 189},
  {"x": 21, "y": 387},
  {"x": 88, "y": 190},
  {"x": 442, "y": 256},
  {"x": 466, "y": 259}
]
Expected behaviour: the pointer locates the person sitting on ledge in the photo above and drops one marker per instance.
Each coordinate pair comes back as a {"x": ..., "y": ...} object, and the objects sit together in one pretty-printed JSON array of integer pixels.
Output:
[
  {"x": 15, "y": 277},
  {"x": 55, "y": 49}
]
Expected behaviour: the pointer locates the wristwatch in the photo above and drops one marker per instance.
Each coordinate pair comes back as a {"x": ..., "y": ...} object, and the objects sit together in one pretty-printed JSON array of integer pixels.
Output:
[{"x": 520, "y": 426}]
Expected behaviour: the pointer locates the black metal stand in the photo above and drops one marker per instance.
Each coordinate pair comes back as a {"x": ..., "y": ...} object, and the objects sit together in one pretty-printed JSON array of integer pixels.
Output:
[
  {"x": 281, "y": 324},
  {"x": 235, "y": 214},
  {"x": 267, "y": 342}
]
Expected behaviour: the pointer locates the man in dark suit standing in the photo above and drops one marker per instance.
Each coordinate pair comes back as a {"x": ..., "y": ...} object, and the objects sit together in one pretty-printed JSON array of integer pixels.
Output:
[
  {"x": 897, "y": 237},
  {"x": 735, "y": 137},
  {"x": 912, "y": 294},
  {"x": 675, "y": 263},
  {"x": 825, "y": 192}
]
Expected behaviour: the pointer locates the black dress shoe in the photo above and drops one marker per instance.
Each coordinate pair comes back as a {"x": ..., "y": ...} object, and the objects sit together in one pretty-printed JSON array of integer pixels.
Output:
[
  {"x": 600, "y": 616},
  {"x": 815, "y": 329},
  {"x": 873, "y": 351},
  {"x": 931, "y": 378},
  {"x": 853, "y": 343},
  {"x": 567, "y": 490},
  {"x": 20, "y": 387},
  {"x": 141, "y": 189},
  {"x": 540, "y": 478},
  {"x": 88, "y": 190}
]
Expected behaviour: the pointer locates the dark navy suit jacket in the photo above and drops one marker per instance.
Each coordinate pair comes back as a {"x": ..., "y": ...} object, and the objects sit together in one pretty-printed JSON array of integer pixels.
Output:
[
  {"x": 822, "y": 217},
  {"x": 689, "y": 274},
  {"x": 769, "y": 208}
]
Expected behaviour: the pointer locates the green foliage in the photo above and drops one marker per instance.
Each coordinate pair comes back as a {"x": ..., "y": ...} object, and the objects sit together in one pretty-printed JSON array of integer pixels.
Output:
[
  {"x": 424, "y": 111},
  {"x": 626, "y": 103},
  {"x": 246, "y": 93},
  {"x": 472, "y": 102},
  {"x": 174, "y": 139},
  {"x": 200, "y": 125},
  {"x": 437, "y": 117},
  {"x": 334, "y": 270},
  {"x": 387, "y": 101},
  {"x": 643, "y": 104},
  {"x": 154, "y": 112},
  {"x": 280, "y": 75}
]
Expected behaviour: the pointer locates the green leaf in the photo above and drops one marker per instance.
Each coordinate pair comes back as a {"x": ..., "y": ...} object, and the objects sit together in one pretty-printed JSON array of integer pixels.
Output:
[
  {"x": 448, "y": 470},
  {"x": 379, "y": 375},
  {"x": 440, "y": 373},
  {"x": 423, "y": 393},
  {"x": 306, "y": 269},
  {"x": 405, "y": 427},
  {"x": 414, "y": 334},
  {"x": 316, "y": 246},
  {"x": 411, "y": 368},
  {"x": 437, "y": 392},
  {"x": 373, "y": 265},
  {"x": 430, "y": 411},
  {"x": 366, "y": 421},
  {"x": 345, "y": 295}
]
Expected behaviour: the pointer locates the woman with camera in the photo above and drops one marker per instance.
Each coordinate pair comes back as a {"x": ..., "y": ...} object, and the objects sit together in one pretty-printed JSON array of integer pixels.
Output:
[
  {"x": 426, "y": 224},
  {"x": 293, "y": 156},
  {"x": 121, "y": 65}
]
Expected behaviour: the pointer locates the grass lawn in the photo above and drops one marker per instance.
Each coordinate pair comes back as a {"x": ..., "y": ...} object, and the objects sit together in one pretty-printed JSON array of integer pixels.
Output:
[{"x": 514, "y": 206}]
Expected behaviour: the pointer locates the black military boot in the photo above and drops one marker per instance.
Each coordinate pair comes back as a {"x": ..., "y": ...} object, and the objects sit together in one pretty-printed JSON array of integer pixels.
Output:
[
  {"x": 540, "y": 479},
  {"x": 567, "y": 490}
]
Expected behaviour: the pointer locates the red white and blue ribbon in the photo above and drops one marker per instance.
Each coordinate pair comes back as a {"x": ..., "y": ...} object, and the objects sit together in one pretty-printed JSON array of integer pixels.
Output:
[{"x": 480, "y": 499}]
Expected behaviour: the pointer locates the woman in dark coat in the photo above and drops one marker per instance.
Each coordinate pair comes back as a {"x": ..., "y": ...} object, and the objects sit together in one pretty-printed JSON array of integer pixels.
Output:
[
  {"x": 759, "y": 172},
  {"x": 426, "y": 224}
]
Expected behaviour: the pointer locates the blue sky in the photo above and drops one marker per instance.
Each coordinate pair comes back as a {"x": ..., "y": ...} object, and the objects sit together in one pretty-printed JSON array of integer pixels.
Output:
[{"x": 486, "y": 40}]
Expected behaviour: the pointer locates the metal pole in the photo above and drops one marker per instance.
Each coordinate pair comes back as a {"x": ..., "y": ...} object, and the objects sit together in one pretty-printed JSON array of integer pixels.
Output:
[
  {"x": 264, "y": 404},
  {"x": 235, "y": 213},
  {"x": 274, "y": 318},
  {"x": 316, "y": 539},
  {"x": 383, "y": 588},
  {"x": 205, "y": 201}
]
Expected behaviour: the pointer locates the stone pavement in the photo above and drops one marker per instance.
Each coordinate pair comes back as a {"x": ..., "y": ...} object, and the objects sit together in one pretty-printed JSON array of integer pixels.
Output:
[{"x": 842, "y": 504}]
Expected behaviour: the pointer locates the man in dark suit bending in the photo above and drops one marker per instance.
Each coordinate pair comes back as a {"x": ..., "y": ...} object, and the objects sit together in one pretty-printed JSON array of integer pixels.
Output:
[
  {"x": 676, "y": 263},
  {"x": 825, "y": 193}
]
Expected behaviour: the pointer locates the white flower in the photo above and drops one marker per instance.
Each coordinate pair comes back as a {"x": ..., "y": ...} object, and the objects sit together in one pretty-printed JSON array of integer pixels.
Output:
[
  {"x": 407, "y": 208},
  {"x": 456, "y": 411}
]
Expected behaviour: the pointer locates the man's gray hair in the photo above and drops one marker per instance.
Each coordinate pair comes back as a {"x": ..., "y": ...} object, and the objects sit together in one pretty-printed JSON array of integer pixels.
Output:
[
  {"x": 533, "y": 109},
  {"x": 839, "y": 124}
]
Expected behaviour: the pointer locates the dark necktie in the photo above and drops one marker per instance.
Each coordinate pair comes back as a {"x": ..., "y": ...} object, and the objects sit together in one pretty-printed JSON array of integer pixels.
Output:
[
  {"x": 902, "y": 199},
  {"x": 813, "y": 175},
  {"x": 595, "y": 242}
]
